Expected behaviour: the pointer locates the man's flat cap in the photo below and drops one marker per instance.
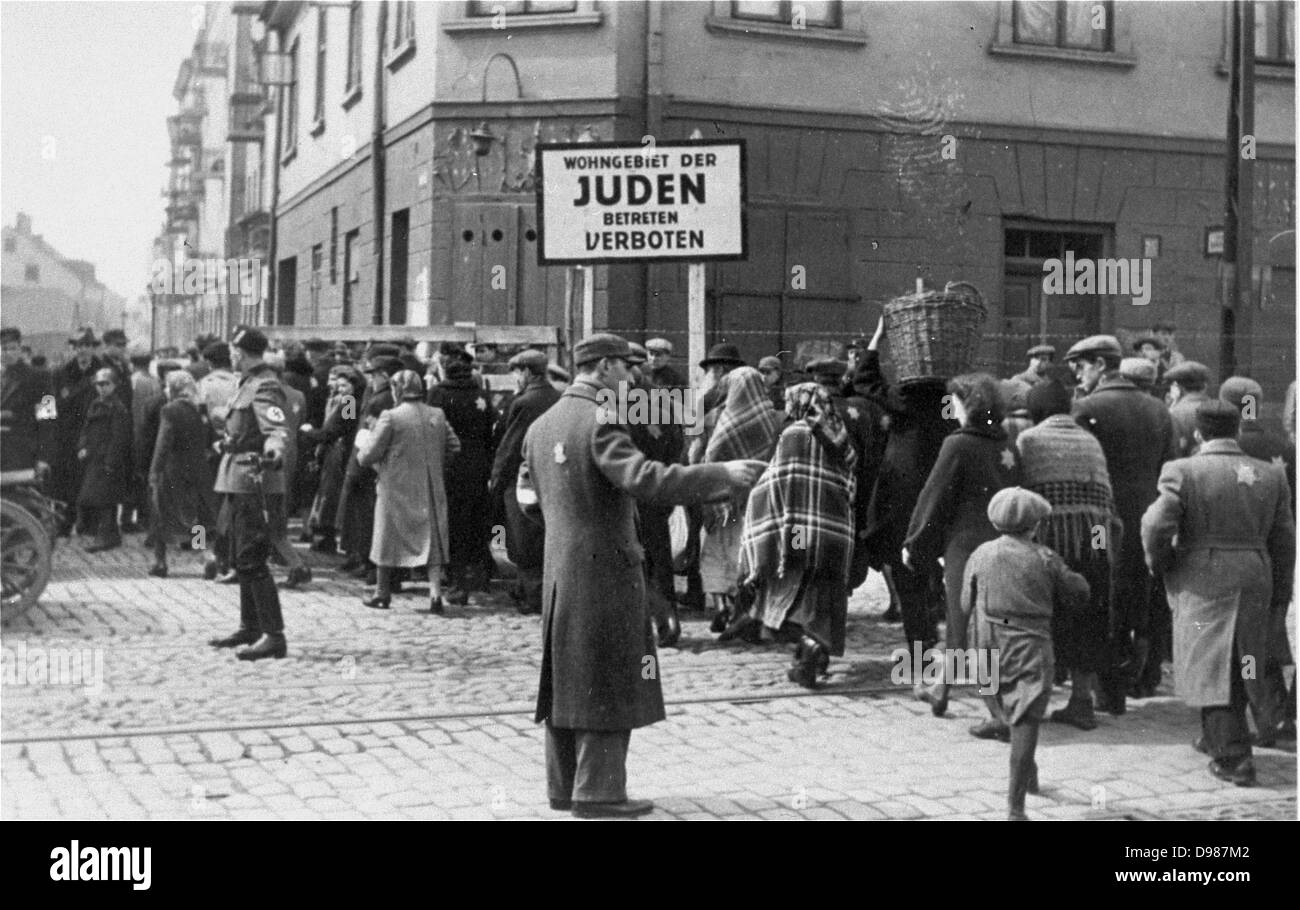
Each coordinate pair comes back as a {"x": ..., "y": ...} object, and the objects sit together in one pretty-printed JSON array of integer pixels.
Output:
[
  {"x": 1151, "y": 340},
  {"x": 316, "y": 344},
  {"x": 1015, "y": 509},
  {"x": 827, "y": 366},
  {"x": 770, "y": 363},
  {"x": 114, "y": 336},
  {"x": 1041, "y": 350},
  {"x": 725, "y": 354},
  {"x": 1138, "y": 370},
  {"x": 656, "y": 345},
  {"x": 1240, "y": 390},
  {"x": 84, "y": 335},
  {"x": 555, "y": 371},
  {"x": 639, "y": 354},
  {"x": 603, "y": 344},
  {"x": 9, "y": 333},
  {"x": 532, "y": 360},
  {"x": 1189, "y": 373},
  {"x": 1216, "y": 419},
  {"x": 250, "y": 340},
  {"x": 1095, "y": 346}
]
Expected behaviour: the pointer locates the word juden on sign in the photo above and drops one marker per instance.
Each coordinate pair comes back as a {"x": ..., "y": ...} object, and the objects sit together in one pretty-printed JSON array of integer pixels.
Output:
[{"x": 622, "y": 203}]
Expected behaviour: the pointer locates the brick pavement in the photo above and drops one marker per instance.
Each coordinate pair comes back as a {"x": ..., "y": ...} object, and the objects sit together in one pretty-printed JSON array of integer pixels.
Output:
[{"x": 406, "y": 715}]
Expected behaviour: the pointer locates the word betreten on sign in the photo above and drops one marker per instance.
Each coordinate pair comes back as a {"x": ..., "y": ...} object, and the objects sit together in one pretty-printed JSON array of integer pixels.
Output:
[{"x": 624, "y": 202}]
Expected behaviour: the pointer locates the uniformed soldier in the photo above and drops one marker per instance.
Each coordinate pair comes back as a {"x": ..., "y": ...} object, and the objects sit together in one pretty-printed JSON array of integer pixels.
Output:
[
  {"x": 27, "y": 409},
  {"x": 252, "y": 466},
  {"x": 1222, "y": 535}
]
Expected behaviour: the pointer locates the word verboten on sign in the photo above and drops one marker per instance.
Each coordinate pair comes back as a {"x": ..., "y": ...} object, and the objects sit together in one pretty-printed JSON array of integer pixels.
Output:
[{"x": 624, "y": 202}]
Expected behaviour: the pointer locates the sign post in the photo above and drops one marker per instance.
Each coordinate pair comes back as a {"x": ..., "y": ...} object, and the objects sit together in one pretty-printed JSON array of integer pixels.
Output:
[{"x": 627, "y": 202}]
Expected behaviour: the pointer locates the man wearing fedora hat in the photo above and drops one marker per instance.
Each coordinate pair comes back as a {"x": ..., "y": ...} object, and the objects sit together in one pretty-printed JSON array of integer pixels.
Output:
[{"x": 583, "y": 474}]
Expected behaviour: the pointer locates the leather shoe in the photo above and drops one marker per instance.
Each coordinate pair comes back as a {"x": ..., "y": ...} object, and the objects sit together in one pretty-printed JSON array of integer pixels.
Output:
[
  {"x": 561, "y": 805},
  {"x": 298, "y": 575},
  {"x": 242, "y": 637},
  {"x": 1199, "y": 745},
  {"x": 991, "y": 730},
  {"x": 158, "y": 570},
  {"x": 437, "y": 607},
  {"x": 628, "y": 808},
  {"x": 379, "y": 603},
  {"x": 1082, "y": 718},
  {"x": 936, "y": 698},
  {"x": 670, "y": 632},
  {"x": 266, "y": 646},
  {"x": 1242, "y": 774}
]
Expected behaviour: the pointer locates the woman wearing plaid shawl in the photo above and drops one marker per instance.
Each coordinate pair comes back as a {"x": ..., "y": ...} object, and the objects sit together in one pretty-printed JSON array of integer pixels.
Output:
[
  {"x": 797, "y": 543},
  {"x": 747, "y": 428}
]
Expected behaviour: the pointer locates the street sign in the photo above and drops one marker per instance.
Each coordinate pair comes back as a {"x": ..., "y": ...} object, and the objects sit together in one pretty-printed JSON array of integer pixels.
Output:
[{"x": 600, "y": 202}]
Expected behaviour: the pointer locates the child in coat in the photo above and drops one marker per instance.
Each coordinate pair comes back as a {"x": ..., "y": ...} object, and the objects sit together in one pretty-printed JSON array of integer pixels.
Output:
[{"x": 1013, "y": 584}]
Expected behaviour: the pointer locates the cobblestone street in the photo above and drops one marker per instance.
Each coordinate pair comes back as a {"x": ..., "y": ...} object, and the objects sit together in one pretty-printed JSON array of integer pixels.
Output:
[{"x": 407, "y": 715}]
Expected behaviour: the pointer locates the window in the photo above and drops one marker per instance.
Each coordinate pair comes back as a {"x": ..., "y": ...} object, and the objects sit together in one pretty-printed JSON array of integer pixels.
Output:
[
  {"x": 403, "y": 23},
  {"x": 317, "y": 258},
  {"x": 517, "y": 7},
  {"x": 398, "y": 272},
  {"x": 824, "y": 14},
  {"x": 318, "y": 109},
  {"x": 334, "y": 245},
  {"x": 1274, "y": 32},
  {"x": 32, "y": 273},
  {"x": 354, "y": 49},
  {"x": 290, "y": 123},
  {"x": 1060, "y": 23}
]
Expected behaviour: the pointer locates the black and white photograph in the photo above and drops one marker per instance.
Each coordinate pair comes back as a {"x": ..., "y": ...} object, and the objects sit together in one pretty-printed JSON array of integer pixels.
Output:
[{"x": 473, "y": 410}]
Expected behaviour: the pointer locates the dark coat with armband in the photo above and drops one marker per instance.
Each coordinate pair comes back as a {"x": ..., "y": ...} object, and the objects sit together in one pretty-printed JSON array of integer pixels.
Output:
[{"x": 599, "y": 665}]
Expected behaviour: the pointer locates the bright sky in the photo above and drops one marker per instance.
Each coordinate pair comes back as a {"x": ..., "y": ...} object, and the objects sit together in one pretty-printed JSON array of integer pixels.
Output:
[{"x": 85, "y": 90}]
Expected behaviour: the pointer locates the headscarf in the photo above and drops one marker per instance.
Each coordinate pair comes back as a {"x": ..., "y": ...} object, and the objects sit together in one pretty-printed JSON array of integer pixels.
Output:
[
  {"x": 748, "y": 426},
  {"x": 182, "y": 387},
  {"x": 811, "y": 402},
  {"x": 407, "y": 386}
]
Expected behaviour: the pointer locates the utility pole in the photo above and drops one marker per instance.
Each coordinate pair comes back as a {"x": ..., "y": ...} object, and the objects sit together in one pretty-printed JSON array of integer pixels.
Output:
[
  {"x": 1237, "y": 288},
  {"x": 377, "y": 193}
]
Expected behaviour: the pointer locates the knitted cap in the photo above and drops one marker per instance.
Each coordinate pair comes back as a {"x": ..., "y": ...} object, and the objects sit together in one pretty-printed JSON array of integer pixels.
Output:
[{"x": 1138, "y": 370}]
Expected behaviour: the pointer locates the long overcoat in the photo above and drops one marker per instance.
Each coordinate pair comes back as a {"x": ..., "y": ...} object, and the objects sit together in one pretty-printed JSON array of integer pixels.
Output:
[
  {"x": 1222, "y": 533},
  {"x": 355, "y": 519},
  {"x": 409, "y": 448},
  {"x": 180, "y": 474},
  {"x": 74, "y": 390},
  {"x": 599, "y": 665},
  {"x": 106, "y": 438},
  {"x": 469, "y": 412},
  {"x": 525, "y": 540}
]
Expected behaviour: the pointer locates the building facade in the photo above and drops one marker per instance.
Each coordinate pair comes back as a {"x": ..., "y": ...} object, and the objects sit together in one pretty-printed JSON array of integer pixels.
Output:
[{"x": 886, "y": 143}]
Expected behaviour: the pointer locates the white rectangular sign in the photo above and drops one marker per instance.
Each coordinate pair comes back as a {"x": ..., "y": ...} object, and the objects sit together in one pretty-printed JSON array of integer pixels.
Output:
[{"x": 625, "y": 202}]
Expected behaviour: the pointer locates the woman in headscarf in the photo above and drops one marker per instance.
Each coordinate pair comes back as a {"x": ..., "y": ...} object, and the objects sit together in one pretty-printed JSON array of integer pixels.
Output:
[
  {"x": 747, "y": 428},
  {"x": 180, "y": 477},
  {"x": 797, "y": 543},
  {"x": 951, "y": 515},
  {"x": 1065, "y": 464},
  {"x": 468, "y": 409},
  {"x": 333, "y": 442},
  {"x": 409, "y": 448}
]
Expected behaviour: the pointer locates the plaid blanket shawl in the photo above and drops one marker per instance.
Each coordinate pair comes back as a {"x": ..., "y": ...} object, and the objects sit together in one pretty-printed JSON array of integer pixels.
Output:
[
  {"x": 747, "y": 427},
  {"x": 800, "y": 514}
]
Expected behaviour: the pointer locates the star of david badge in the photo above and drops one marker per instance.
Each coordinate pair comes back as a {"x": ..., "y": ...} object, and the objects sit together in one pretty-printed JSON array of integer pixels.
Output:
[
  {"x": 560, "y": 457},
  {"x": 1008, "y": 460},
  {"x": 852, "y": 412},
  {"x": 274, "y": 414},
  {"x": 1246, "y": 474}
]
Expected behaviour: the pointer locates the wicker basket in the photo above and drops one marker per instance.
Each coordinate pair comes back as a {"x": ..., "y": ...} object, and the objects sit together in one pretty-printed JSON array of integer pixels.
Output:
[{"x": 933, "y": 335}]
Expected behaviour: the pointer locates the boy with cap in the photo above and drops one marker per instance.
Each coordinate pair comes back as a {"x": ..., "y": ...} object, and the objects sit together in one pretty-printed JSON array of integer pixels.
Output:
[
  {"x": 661, "y": 370},
  {"x": 1040, "y": 358},
  {"x": 1186, "y": 383},
  {"x": 1222, "y": 535},
  {"x": 1013, "y": 585},
  {"x": 252, "y": 468}
]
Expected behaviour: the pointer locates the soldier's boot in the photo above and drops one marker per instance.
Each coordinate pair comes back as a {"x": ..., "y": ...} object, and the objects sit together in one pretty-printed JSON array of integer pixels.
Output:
[
  {"x": 249, "y": 630},
  {"x": 266, "y": 599}
]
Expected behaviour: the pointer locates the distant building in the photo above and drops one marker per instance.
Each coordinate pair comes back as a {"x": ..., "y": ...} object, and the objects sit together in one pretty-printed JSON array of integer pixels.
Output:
[{"x": 47, "y": 295}]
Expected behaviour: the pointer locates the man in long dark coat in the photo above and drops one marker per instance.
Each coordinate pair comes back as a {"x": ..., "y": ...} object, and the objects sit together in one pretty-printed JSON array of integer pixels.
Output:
[
  {"x": 1230, "y": 568},
  {"x": 104, "y": 449},
  {"x": 600, "y": 674},
  {"x": 27, "y": 410},
  {"x": 525, "y": 542},
  {"x": 356, "y": 513},
  {"x": 74, "y": 390},
  {"x": 1137, "y": 435}
]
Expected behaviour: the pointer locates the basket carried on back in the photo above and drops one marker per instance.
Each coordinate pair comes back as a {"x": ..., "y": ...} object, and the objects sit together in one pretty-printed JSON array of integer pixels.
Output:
[{"x": 933, "y": 335}]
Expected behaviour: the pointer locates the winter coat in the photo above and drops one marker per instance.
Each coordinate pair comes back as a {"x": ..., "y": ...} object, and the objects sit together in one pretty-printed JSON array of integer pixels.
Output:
[
  {"x": 469, "y": 412},
  {"x": 106, "y": 440},
  {"x": 180, "y": 474}
]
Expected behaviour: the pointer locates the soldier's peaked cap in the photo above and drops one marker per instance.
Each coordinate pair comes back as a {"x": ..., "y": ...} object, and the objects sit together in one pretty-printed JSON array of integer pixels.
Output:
[{"x": 250, "y": 340}]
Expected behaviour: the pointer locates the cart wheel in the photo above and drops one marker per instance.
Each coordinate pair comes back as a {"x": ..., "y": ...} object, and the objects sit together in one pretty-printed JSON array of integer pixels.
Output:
[{"x": 24, "y": 557}]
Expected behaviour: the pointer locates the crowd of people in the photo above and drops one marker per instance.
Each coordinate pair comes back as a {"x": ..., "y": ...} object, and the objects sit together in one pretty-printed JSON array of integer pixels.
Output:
[{"x": 1055, "y": 516}]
